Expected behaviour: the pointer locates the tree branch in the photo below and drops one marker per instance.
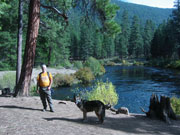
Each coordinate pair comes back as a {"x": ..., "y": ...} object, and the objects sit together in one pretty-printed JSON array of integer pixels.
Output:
[{"x": 57, "y": 11}]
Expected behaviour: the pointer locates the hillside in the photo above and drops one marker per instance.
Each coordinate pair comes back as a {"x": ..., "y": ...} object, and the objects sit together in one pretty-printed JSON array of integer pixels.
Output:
[{"x": 157, "y": 15}]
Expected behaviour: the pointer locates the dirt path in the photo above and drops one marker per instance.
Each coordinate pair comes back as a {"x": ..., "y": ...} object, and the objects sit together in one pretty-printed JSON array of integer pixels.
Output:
[{"x": 23, "y": 116}]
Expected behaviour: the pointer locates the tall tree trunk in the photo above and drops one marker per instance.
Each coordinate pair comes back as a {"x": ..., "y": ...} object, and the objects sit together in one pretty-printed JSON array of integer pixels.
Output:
[
  {"x": 33, "y": 26},
  {"x": 19, "y": 43}
]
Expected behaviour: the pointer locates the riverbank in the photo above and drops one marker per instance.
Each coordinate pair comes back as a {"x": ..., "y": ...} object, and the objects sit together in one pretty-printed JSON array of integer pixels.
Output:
[{"x": 23, "y": 116}]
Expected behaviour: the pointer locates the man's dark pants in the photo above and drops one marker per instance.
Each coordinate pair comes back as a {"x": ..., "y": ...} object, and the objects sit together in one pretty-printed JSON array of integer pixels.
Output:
[{"x": 46, "y": 94}]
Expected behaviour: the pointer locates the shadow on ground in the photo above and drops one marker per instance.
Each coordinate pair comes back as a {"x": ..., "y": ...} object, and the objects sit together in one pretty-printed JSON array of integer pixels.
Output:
[
  {"x": 19, "y": 107},
  {"x": 134, "y": 125}
]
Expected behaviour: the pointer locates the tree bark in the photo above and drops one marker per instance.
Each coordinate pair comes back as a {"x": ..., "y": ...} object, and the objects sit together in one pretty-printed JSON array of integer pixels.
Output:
[
  {"x": 22, "y": 88},
  {"x": 19, "y": 43},
  {"x": 160, "y": 109}
]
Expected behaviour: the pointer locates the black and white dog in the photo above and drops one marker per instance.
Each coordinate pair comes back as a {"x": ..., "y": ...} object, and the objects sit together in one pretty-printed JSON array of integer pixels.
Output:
[{"x": 90, "y": 106}]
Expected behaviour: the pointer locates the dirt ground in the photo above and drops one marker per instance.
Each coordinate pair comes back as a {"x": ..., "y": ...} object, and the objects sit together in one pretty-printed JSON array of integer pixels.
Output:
[{"x": 23, "y": 116}]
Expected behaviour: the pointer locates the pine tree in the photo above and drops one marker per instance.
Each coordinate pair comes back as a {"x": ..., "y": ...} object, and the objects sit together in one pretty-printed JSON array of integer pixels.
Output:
[
  {"x": 122, "y": 40},
  {"x": 136, "y": 42},
  {"x": 86, "y": 42},
  {"x": 97, "y": 44},
  {"x": 148, "y": 35},
  {"x": 176, "y": 24}
]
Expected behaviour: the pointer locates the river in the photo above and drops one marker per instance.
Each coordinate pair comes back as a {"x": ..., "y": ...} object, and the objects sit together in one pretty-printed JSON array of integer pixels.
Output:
[{"x": 135, "y": 85}]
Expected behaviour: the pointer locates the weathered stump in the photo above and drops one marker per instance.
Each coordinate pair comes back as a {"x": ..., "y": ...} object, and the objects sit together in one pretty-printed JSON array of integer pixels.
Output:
[{"x": 160, "y": 109}]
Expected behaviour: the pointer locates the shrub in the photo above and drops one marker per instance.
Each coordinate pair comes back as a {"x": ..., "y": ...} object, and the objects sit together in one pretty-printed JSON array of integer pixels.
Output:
[
  {"x": 160, "y": 62},
  {"x": 104, "y": 92},
  {"x": 85, "y": 75},
  {"x": 8, "y": 81},
  {"x": 103, "y": 70},
  {"x": 175, "y": 64},
  {"x": 78, "y": 64},
  {"x": 94, "y": 65},
  {"x": 33, "y": 90},
  {"x": 110, "y": 63},
  {"x": 63, "y": 80},
  {"x": 125, "y": 62},
  {"x": 102, "y": 62},
  {"x": 137, "y": 63},
  {"x": 65, "y": 64},
  {"x": 175, "y": 103}
]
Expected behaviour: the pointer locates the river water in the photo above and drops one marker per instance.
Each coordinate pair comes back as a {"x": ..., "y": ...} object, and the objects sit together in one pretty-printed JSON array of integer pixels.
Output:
[{"x": 135, "y": 85}]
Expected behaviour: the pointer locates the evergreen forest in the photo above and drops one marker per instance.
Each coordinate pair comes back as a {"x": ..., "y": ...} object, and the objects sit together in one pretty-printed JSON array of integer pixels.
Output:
[{"x": 127, "y": 31}]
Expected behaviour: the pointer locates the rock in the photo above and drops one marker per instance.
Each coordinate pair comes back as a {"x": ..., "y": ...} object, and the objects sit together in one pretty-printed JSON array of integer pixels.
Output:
[{"x": 123, "y": 110}]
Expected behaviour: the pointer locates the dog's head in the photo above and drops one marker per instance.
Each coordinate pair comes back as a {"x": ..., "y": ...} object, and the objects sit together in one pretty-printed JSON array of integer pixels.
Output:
[{"x": 77, "y": 100}]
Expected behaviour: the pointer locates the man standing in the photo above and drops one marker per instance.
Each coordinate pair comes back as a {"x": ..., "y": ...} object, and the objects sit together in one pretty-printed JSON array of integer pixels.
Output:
[{"x": 44, "y": 83}]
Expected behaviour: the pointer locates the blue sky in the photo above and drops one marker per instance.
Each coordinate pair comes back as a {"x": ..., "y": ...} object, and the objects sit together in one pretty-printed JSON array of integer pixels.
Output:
[{"x": 154, "y": 3}]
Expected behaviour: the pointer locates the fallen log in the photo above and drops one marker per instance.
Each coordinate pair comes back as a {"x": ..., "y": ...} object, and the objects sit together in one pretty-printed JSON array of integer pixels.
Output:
[{"x": 160, "y": 109}]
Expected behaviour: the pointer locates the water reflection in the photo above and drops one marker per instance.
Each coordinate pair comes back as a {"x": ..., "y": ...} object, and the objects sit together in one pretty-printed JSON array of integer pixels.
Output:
[{"x": 135, "y": 84}]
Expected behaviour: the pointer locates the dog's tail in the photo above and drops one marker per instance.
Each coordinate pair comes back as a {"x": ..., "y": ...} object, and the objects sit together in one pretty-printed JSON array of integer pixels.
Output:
[{"x": 107, "y": 106}]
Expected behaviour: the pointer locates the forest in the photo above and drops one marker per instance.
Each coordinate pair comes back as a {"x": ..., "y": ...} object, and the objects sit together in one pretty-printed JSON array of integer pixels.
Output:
[
  {"x": 129, "y": 36},
  {"x": 60, "y": 31}
]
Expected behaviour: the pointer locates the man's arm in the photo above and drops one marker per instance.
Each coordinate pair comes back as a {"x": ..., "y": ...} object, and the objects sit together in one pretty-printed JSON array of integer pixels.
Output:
[{"x": 51, "y": 82}]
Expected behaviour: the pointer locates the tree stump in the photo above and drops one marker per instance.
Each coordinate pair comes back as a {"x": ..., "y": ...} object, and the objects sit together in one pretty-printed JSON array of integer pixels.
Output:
[{"x": 160, "y": 109}]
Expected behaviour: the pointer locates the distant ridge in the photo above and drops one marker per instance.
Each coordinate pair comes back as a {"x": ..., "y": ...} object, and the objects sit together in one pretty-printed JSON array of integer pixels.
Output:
[{"x": 157, "y": 15}]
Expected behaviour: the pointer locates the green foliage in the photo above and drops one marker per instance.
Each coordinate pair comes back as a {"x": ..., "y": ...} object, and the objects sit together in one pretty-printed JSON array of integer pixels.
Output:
[
  {"x": 175, "y": 103},
  {"x": 8, "y": 80},
  {"x": 102, "y": 69},
  {"x": 89, "y": 33},
  {"x": 63, "y": 80},
  {"x": 163, "y": 43},
  {"x": 174, "y": 65},
  {"x": 125, "y": 62},
  {"x": 136, "y": 41},
  {"x": 161, "y": 62},
  {"x": 85, "y": 75},
  {"x": 158, "y": 15},
  {"x": 65, "y": 63},
  {"x": 148, "y": 36},
  {"x": 78, "y": 64},
  {"x": 8, "y": 34},
  {"x": 94, "y": 65},
  {"x": 175, "y": 25},
  {"x": 107, "y": 12},
  {"x": 110, "y": 63},
  {"x": 86, "y": 42},
  {"x": 138, "y": 63},
  {"x": 33, "y": 90},
  {"x": 104, "y": 92}
]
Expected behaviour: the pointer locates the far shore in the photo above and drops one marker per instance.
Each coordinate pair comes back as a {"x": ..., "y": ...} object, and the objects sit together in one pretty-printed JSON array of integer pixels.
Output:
[{"x": 36, "y": 71}]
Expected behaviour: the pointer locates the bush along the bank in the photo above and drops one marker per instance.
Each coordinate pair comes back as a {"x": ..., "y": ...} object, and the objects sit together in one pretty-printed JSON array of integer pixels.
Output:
[
  {"x": 138, "y": 63},
  {"x": 94, "y": 65},
  {"x": 174, "y": 65},
  {"x": 78, "y": 64},
  {"x": 103, "y": 91},
  {"x": 110, "y": 63},
  {"x": 63, "y": 80},
  {"x": 175, "y": 103},
  {"x": 65, "y": 64},
  {"x": 85, "y": 75},
  {"x": 161, "y": 62}
]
